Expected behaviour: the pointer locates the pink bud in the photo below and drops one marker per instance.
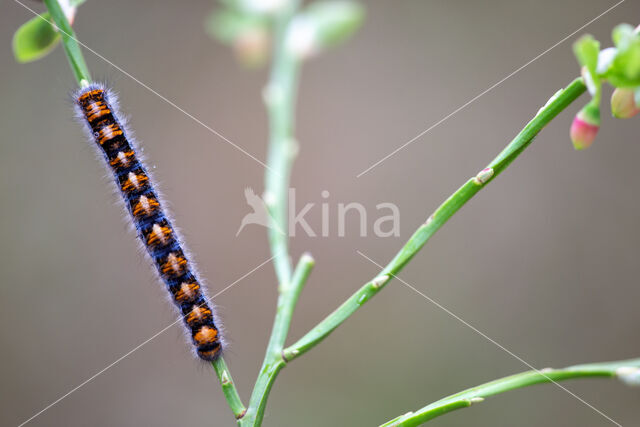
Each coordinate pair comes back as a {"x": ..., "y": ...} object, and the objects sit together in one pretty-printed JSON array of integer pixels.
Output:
[
  {"x": 584, "y": 129},
  {"x": 623, "y": 104},
  {"x": 252, "y": 47}
]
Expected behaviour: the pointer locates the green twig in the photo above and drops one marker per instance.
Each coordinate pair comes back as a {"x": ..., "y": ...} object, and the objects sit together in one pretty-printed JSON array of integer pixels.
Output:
[
  {"x": 69, "y": 41},
  {"x": 274, "y": 361},
  {"x": 553, "y": 107},
  {"x": 280, "y": 98},
  {"x": 627, "y": 370},
  {"x": 228, "y": 387}
]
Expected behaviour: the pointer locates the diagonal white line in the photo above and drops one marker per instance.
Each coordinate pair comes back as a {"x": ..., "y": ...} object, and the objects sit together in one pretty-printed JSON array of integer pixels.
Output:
[
  {"x": 466, "y": 104},
  {"x": 168, "y": 101},
  {"x": 449, "y": 312},
  {"x": 121, "y": 358}
]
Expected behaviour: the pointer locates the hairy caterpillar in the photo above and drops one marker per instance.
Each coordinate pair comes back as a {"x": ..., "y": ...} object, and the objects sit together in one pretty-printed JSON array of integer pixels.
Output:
[{"x": 95, "y": 106}]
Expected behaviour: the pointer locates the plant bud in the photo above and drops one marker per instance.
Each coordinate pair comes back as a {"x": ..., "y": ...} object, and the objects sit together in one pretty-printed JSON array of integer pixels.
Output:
[
  {"x": 623, "y": 103},
  {"x": 322, "y": 25},
  {"x": 252, "y": 47},
  {"x": 585, "y": 127}
]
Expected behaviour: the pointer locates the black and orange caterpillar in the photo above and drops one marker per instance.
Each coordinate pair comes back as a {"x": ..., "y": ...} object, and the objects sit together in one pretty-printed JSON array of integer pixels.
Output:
[{"x": 95, "y": 105}]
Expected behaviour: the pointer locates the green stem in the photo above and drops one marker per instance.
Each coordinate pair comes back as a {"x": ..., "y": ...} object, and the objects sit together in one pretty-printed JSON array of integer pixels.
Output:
[
  {"x": 280, "y": 99},
  {"x": 554, "y": 106},
  {"x": 274, "y": 361},
  {"x": 626, "y": 370},
  {"x": 70, "y": 43},
  {"x": 228, "y": 387}
]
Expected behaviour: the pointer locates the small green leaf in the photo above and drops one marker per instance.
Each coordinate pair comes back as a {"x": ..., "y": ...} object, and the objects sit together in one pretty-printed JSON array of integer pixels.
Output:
[
  {"x": 622, "y": 35},
  {"x": 624, "y": 70},
  {"x": 586, "y": 50},
  {"x": 34, "y": 39},
  {"x": 636, "y": 96},
  {"x": 334, "y": 21}
]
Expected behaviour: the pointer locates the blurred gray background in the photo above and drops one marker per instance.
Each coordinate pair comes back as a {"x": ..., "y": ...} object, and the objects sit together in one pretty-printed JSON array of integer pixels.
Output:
[{"x": 544, "y": 261}]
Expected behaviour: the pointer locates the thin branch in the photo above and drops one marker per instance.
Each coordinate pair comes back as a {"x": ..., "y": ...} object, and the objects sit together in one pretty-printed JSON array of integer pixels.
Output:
[
  {"x": 554, "y": 106},
  {"x": 74, "y": 54},
  {"x": 290, "y": 293},
  {"x": 229, "y": 388},
  {"x": 280, "y": 99},
  {"x": 274, "y": 361},
  {"x": 627, "y": 370}
]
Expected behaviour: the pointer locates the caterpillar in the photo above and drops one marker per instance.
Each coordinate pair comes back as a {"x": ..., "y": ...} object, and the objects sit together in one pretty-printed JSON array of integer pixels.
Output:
[{"x": 96, "y": 106}]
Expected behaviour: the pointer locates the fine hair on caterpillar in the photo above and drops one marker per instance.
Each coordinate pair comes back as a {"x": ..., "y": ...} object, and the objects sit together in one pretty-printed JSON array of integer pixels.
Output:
[{"x": 97, "y": 108}]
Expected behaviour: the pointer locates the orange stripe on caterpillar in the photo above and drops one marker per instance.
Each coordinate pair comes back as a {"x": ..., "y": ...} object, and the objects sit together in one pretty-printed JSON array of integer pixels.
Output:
[
  {"x": 145, "y": 206},
  {"x": 95, "y": 110},
  {"x": 198, "y": 315},
  {"x": 123, "y": 159},
  {"x": 108, "y": 132},
  {"x": 174, "y": 265},
  {"x": 207, "y": 335},
  {"x": 90, "y": 94},
  {"x": 188, "y": 292},
  {"x": 159, "y": 235},
  {"x": 134, "y": 181}
]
